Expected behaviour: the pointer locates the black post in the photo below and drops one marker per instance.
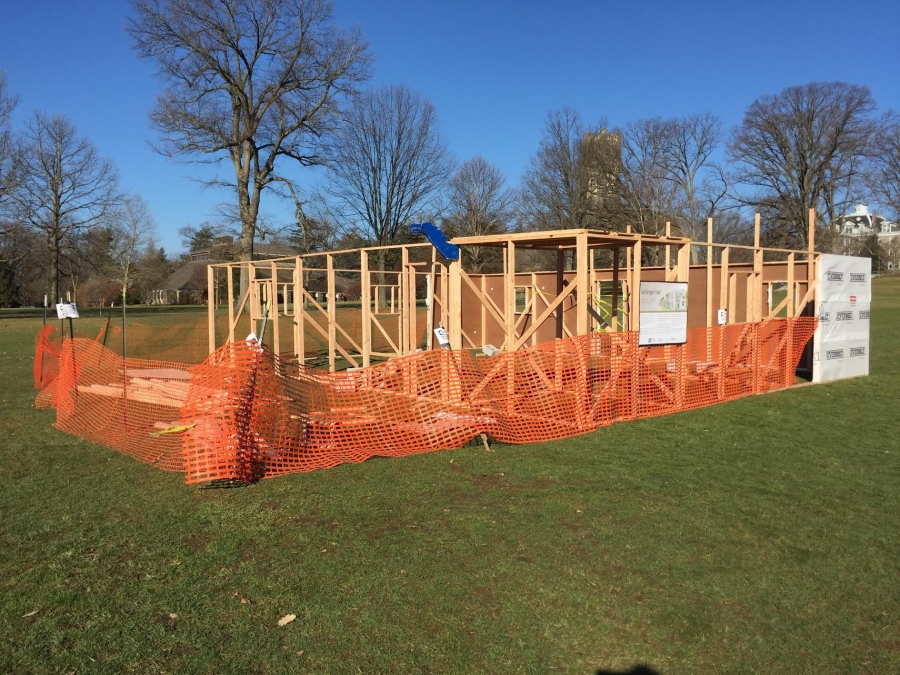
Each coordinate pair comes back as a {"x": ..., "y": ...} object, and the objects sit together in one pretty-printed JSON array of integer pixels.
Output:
[{"x": 124, "y": 341}]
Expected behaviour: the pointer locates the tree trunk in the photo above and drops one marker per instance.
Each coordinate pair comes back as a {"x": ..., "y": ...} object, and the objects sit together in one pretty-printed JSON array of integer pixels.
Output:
[
  {"x": 379, "y": 266},
  {"x": 248, "y": 211},
  {"x": 53, "y": 270}
]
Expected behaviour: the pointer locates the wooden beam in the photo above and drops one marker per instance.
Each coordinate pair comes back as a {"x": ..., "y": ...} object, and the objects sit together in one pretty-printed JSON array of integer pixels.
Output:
[
  {"x": 403, "y": 282},
  {"x": 332, "y": 311},
  {"x": 211, "y": 309},
  {"x": 684, "y": 263},
  {"x": 709, "y": 276},
  {"x": 547, "y": 312},
  {"x": 710, "y": 309},
  {"x": 791, "y": 292},
  {"x": 636, "y": 291},
  {"x": 509, "y": 270},
  {"x": 365, "y": 308},
  {"x": 582, "y": 318},
  {"x": 723, "y": 284},
  {"x": 732, "y": 298},
  {"x": 484, "y": 311},
  {"x": 299, "y": 327},
  {"x": 273, "y": 305},
  {"x": 668, "y": 252},
  {"x": 455, "y": 305},
  {"x": 757, "y": 271},
  {"x": 560, "y": 280},
  {"x": 811, "y": 234},
  {"x": 614, "y": 306}
]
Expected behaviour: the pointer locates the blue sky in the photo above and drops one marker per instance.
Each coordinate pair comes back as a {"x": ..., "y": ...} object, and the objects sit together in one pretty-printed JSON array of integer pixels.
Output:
[{"x": 493, "y": 70}]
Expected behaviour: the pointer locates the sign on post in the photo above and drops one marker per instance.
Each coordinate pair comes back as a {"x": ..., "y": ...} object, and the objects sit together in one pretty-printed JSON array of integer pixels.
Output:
[
  {"x": 663, "y": 313},
  {"x": 443, "y": 338},
  {"x": 66, "y": 310}
]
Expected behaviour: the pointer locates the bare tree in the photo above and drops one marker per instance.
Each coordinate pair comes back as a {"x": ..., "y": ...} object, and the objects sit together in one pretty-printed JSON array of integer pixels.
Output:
[
  {"x": 131, "y": 231},
  {"x": 388, "y": 164},
  {"x": 803, "y": 148},
  {"x": 649, "y": 192},
  {"x": 572, "y": 181},
  {"x": 14, "y": 239},
  {"x": 884, "y": 178},
  {"x": 252, "y": 80},
  {"x": 691, "y": 141},
  {"x": 67, "y": 189},
  {"x": 314, "y": 228},
  {"x": 10, "y": 150},
  {"x": 479, "y": 204}
]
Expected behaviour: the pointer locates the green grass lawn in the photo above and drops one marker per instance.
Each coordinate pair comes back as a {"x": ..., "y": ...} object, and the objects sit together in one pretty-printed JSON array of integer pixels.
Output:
[{"x": 760, "y": 536}]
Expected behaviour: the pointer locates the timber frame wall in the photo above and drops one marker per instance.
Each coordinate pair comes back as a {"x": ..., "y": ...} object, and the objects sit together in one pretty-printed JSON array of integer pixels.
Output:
[{"x": 400, "y": 307}]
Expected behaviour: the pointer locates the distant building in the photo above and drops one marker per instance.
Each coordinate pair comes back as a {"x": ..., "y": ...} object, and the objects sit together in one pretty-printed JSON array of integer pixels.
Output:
[
  {"x": 187, "y": 284},
  {"x": 863, "y": 230}
]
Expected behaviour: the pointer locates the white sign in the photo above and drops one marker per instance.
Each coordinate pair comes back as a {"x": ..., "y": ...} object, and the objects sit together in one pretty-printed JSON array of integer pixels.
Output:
[
  {"x": 841, "y": 342},
  {"x": 723, "y": 317},
  {"x": 66, "y": 310},
  {"x": 663, "y": 313},
  {"x": 443, "y": 338}
]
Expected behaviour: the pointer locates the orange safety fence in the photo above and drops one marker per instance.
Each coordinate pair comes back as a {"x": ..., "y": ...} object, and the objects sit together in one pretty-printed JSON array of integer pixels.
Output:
[{"x": 245, "y": 413}]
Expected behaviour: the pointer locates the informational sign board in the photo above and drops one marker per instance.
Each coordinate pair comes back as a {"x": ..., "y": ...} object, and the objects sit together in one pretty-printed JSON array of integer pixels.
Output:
[
  {"x": 841, "y": 342},
  {"x": 66, "y": 310},
  {"x": 663, "y": 313},
  {"x": 442, "y": 337}
]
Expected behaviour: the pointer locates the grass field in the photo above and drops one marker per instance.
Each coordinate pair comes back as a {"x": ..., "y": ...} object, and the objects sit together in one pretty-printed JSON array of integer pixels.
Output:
[{"x": 760, "y": 536}]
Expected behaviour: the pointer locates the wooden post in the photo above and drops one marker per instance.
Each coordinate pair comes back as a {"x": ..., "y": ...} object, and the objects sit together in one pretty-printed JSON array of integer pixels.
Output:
[
  {"x": 230, "y": 280},
  {"x": 791, "y": 293},
  {"x": 253, "y": 297},
  {"x": 211, "y": 309},
  {"x": 509, "y": 279},
  {"x": 811, "y": 235},
  {"x": 411, "y": 296},
  {"x": 668, "y": 253},
  {"x": 454, "y": 328},
  {"x": 403, "y": 282},
  {"x": 332, "y": 310},
  {"x": 723, "y": 284},
  {"x": 273, "y": 305},
  {"x": 757, "y": 272},
  {"x": 365, "y": 293},
  {"x": 560, "y": 278},
  {"x": 628, "y": 277},
  {"x": 614, "y": 305},
  {"x": 811, "y": 272},
  {"x": 483, "y": 311},
  {"x": 581, "y": 279},
  {"x": 709, "y": 296},
  {"x": 684, "y": 263},
  {"x": 636, "y": 289},
  {"x": 299, "y": 313}
]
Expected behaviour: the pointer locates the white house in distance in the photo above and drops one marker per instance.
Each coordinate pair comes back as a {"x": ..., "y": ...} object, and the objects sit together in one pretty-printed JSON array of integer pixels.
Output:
[{"x": 857, "y": 229}]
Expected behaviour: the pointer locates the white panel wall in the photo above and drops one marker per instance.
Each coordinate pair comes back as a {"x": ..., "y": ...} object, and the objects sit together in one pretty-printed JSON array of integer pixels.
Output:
[{"x": 841, "y": 342}]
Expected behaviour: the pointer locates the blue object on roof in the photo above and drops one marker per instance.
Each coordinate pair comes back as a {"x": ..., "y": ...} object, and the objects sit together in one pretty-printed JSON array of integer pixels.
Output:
[{"x": 437, "y": 239}]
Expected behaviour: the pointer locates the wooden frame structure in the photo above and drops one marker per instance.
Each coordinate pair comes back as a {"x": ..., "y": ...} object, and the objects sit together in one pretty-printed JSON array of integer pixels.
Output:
[{"x": 405, "y": 291}]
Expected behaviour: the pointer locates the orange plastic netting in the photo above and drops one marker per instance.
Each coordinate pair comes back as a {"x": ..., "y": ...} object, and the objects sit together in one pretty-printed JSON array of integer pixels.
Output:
[{"x": 245, "y": 414}]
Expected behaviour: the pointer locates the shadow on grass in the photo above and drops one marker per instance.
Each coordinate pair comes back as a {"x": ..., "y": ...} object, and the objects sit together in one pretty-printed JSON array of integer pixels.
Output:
[{"x": 639, "y": 669}]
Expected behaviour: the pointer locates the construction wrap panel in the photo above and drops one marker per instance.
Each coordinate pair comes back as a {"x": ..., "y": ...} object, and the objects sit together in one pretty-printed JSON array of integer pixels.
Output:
[{"x": 245, "y": 414}]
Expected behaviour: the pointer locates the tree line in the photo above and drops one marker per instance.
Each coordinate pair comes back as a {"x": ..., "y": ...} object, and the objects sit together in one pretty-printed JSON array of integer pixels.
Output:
[{"x": 267, "y": 86}]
